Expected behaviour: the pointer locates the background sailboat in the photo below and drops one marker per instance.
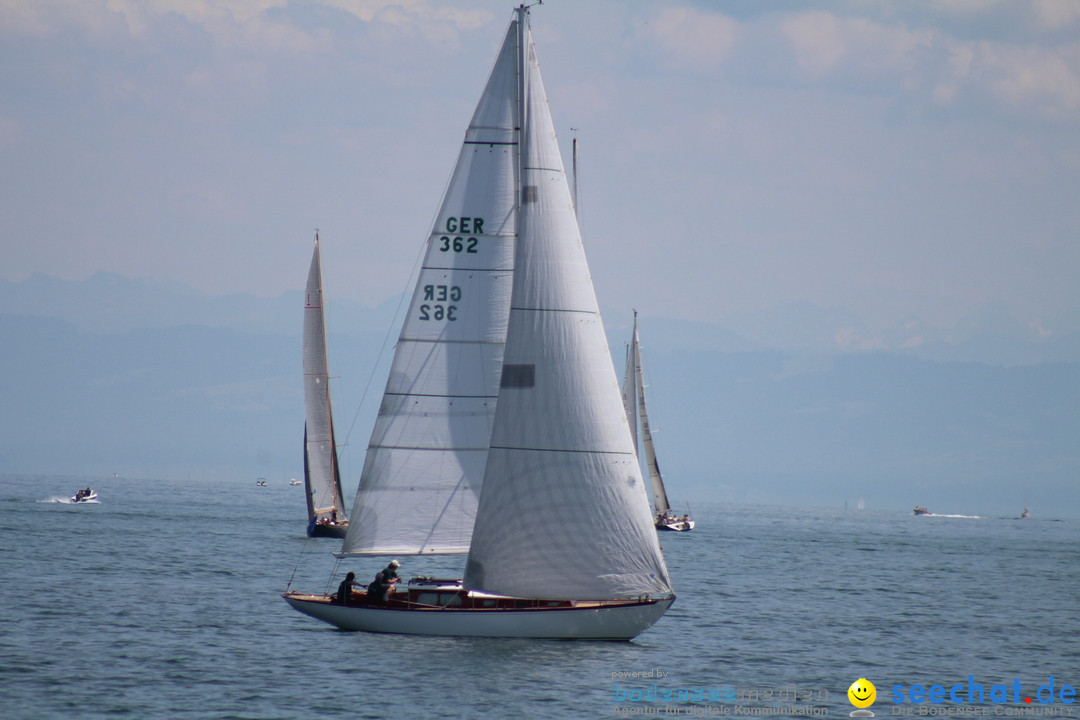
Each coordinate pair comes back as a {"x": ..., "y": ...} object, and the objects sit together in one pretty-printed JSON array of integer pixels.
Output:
[
  {"x": 326, "y": 512},
  {"x": 634, "y": 404},
  {"x": 503, "y": 388}
]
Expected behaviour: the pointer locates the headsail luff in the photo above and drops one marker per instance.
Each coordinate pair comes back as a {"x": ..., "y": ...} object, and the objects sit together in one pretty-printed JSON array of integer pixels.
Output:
[
  {"x": 321, "y": 477},
  {"x": 425, "y": 461},
  {"x": 562, "y": 513}
]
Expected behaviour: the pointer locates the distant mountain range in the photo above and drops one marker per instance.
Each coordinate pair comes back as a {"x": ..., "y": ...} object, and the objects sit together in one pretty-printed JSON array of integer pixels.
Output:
[
  {"x": 798, "y": 405},
  {"x": 110, "y": 303}
]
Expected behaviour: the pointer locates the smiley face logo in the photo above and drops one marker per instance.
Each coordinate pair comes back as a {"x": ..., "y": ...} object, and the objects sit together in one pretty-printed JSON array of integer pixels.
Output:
[{"x": 862, "y": 693}]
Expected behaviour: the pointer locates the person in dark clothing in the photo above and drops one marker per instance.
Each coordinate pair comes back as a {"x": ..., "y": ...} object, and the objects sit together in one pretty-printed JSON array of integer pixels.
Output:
[
  {"x": 344, "y": 590},
  {"x": 382, "y": 586}
]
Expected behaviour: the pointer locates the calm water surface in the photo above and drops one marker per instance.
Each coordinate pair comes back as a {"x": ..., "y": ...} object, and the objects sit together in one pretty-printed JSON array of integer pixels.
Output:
[{"x": 162, "y": 601}]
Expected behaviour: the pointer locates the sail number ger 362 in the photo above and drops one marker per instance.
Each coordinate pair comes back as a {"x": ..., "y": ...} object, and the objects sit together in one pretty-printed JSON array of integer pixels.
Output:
[{"x": 436, "y": 296}]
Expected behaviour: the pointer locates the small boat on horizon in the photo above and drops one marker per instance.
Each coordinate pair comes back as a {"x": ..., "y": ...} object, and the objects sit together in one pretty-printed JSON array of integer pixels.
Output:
[
  {"x": 1025, "y": 514},
  {"x": 84, "y": 496},
  {"x": 920, "y": 510}
]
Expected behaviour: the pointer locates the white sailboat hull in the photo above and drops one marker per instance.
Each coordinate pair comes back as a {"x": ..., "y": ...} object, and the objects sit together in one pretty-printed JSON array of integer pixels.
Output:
[{"x": 609, "y": 621}]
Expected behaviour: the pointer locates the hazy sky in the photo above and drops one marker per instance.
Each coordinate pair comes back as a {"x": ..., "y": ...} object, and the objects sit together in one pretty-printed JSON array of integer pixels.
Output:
[{"x": 916, "y": 159}]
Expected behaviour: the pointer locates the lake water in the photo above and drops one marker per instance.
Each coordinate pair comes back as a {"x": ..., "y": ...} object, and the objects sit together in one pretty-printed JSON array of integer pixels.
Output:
[{"x": 163, "y": 601}]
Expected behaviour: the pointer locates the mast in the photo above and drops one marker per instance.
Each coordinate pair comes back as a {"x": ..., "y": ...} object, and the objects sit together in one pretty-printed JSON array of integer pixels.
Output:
[
  {"x": 521, "y": 119},
  {"x": 630, "y": 388},
  {"x": 575, "y": 192}
]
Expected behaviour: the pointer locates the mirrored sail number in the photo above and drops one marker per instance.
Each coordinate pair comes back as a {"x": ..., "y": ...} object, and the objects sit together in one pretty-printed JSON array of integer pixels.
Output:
[
  {"x": 461, "y": 243},
  {"x": 437, "y": 299}
]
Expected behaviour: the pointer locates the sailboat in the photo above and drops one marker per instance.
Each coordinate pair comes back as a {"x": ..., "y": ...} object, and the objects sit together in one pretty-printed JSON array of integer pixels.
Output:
[
  {"x": 326, "y": 512},
  {"x": 502, "y": 415},
  {"x": 634, "y": 403}
]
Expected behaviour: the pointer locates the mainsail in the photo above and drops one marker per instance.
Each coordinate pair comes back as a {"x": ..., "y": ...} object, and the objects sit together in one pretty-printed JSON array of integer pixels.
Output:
[
  {"x": 320, "y": 453},
  {"x": 634, "y": 402},
  {"x": 562, "y": 513},
  {"x": 425, "y": 462}
]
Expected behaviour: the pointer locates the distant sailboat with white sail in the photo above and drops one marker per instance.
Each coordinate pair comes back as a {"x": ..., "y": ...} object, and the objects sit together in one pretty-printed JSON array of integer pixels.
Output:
[
  {"x": 634, "y": 404},
  {"x": 502, "y": 412},
  {"x": 326, "y": 511}
]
